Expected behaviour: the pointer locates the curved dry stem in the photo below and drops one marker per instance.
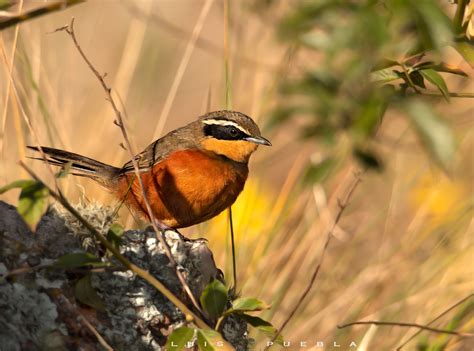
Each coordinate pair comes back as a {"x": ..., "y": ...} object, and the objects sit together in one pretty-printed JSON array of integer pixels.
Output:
[{"x": 157, "y": 226}]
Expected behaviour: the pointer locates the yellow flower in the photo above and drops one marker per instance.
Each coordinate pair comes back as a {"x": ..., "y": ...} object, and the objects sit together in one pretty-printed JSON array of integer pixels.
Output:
[{"x": 442, "y": 199}]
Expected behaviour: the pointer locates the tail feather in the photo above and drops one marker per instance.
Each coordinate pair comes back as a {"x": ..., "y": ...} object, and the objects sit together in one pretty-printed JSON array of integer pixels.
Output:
[{"x": 80, "y": 165}]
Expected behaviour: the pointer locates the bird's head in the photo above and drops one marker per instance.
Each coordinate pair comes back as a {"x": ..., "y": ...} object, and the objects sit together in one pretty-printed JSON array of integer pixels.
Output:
[{"x": 230, "y": 134}]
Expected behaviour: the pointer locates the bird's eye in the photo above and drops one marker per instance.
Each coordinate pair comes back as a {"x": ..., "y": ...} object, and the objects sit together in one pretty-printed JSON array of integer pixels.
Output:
[{"x": 233, "y": 131}]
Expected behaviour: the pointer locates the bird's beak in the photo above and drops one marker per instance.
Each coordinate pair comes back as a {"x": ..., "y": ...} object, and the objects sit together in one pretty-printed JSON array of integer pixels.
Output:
[{"x": 259, "y": 140}]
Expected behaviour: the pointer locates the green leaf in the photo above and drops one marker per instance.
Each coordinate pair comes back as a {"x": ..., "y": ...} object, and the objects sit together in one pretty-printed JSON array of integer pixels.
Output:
[
  {"x": 385, "y": 63},
  {"x": 262, "y": 325},
  {"x": 214, "y": 298},
  {"x": 385, "y": 75},
  {"x": 368, "y": 158},
  {"x": 417, "y": 79},
  {"x": 64, "y": 171},
  {"x": 318, "y": 172},
  {"x": 247, "y": 304},
  {"x": 115, "y": 233},
  {"x": 33, "y": 201},
  {"x": 179, "y": 338},
  {"x": 466, "y": 49},
  {"x": 318, "y": 41},
  {"x": 433, "y": 131},
  {"x": 369, "y": 116},
  {"x": 16, "y": 184},
  {"x": 435, "y": 78},
  {"x": 77, "y": 259},
  {"x": 210, "y": 340},
  {"x": 440, "y": 67},
  {"x": 435, "y": 28},
  {"x": 447, "y": 68},
  {"x": 86, "y": 294}
]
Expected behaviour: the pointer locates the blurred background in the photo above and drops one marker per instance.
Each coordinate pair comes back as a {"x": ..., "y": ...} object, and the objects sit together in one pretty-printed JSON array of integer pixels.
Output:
[{"x": 338, "y": 87}]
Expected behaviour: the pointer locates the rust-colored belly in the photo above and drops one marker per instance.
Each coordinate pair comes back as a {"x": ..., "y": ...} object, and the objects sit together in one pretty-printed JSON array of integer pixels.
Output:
[{"x": 186, "y": 188}]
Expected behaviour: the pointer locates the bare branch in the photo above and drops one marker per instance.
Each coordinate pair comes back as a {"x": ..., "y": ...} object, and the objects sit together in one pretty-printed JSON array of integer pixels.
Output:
[
  {"x": 25, "y": 16},
  {"x": 82, "y": 319},
  {"x": 157, "y": 226}
]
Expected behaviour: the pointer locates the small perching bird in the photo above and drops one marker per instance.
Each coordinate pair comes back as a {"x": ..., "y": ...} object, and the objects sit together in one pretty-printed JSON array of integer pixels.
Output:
[{"x": 190, "y": 175}]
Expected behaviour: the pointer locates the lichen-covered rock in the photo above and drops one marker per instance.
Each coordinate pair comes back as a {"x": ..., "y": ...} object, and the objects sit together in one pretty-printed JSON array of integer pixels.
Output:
[
  {"x": 38, "y": 306},
  {"x": 18, "y": 332}
]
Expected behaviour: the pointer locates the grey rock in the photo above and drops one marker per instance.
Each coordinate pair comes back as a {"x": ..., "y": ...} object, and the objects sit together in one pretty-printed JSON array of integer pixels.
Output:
[{"x": 38, "y": 308}]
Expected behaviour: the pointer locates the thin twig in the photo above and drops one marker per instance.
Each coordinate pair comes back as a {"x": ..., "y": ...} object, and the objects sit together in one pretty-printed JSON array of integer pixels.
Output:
[
  {"x": 190, "y": 316},
  {"x": 24, "y": 270},
  {"x": 94, "y": 331},
  {"x": 157, "y": 226},
  {"x": 25, "y": 16},
  {"x": 406, "y": 325},
  {"x": 342, "y": 206},
  {"x": 434, "y": 320},
  {"x": 436, "y": 94},
  {"x": 82, "y": 319}
]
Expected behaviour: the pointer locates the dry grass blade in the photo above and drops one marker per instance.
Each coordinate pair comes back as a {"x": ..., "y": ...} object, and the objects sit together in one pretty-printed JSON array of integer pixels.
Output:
[
  {"x": 9, "y": 67},
  {"x": 460, "y": 302},
  {"x": 201, "y": 43},
  {"x": 406, "y": 325},
  {"x": 158, "y": 227},
  {"x": 342, "y": 206},
  {"x": 182, "y": 67},
  {"x": 33, "y": 131}
]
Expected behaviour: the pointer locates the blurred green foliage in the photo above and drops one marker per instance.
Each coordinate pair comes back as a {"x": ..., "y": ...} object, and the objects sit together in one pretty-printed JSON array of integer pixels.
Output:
[
  {"x": 442, "y": 342},
  {"x": 33, "y": 200},
  {"x": 352, "y": 60}
]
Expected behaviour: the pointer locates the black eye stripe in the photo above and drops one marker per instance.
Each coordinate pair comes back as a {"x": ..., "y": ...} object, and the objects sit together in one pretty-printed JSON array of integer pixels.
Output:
[{"x": 224, "y": 132}]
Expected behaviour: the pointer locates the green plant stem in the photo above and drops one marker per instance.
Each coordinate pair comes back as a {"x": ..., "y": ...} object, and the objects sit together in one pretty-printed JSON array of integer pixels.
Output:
[
  {"x": 408, "y": 79},
  {"x": 228, "y": 106},
  {"x": 190, "y": 316},
  {"x": 436, "y": 94},
  {"x": 234, "y": 264},
  {"x": 459, "y": 16},
  {"x": 49, "y": 8}
]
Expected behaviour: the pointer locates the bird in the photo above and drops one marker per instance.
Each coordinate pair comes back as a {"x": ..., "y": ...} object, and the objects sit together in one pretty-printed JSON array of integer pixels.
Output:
[{"x": 190, "y": 175}]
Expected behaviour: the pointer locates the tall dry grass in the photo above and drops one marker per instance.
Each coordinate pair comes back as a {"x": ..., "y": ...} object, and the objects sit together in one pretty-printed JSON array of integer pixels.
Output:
[{"x": 403, "y": 250}]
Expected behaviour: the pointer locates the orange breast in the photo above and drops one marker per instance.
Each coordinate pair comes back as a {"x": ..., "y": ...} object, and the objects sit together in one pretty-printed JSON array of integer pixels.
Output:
[{"x": 186, "y": 188}]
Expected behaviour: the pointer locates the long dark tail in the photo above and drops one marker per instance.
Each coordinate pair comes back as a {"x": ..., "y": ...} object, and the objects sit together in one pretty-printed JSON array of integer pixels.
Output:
[{"x": 80, "y": 165}]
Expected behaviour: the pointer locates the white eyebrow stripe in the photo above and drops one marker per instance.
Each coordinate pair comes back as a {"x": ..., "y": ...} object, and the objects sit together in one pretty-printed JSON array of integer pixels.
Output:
[{"x": 224, "y": 122}]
